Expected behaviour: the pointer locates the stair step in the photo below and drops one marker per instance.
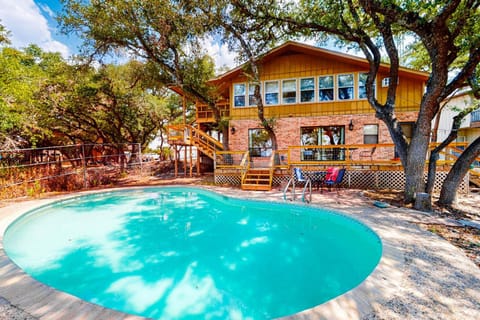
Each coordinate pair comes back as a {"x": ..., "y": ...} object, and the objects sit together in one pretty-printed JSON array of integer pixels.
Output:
[
  {"x": 260, "y": 187},
  {"x": 257, "y": 179}
]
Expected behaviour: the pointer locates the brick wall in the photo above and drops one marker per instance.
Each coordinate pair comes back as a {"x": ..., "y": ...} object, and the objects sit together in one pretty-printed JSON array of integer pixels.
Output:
[{"x": 288, "y": 129}]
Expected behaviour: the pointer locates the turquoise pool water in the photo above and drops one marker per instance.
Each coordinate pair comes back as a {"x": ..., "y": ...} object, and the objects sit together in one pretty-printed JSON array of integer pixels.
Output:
[{"x": 187, "y": 253}]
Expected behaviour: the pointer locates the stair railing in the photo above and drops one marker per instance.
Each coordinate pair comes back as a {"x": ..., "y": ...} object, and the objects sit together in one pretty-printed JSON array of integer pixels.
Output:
[
  {"x": 307, "y": 186},
  {"x": 244, "y": 166},
  {"x": 272, "y": 165},
  {"x": 203, "y": 141}
]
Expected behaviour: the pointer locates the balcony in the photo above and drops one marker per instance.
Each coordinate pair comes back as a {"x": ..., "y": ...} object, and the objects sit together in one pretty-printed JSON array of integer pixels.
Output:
[
  {"x": 206, "y": 115},
  {"x": 475, "y": 117}
]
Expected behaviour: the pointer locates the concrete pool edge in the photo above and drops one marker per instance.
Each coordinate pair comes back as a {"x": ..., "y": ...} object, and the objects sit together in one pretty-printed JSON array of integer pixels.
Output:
[{"x": 42, "y": 301}]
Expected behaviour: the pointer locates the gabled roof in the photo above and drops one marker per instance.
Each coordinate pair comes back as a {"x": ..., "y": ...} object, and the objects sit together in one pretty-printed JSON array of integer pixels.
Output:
[{"x": 296, "y": 47}]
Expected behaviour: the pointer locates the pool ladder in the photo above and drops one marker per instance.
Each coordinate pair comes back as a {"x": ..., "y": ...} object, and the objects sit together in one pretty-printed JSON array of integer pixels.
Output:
[{"x": 307, "y": 187}]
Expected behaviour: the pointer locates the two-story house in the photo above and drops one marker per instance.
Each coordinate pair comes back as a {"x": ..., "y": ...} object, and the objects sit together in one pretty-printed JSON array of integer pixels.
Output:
[{"x": 317, "y": 100}]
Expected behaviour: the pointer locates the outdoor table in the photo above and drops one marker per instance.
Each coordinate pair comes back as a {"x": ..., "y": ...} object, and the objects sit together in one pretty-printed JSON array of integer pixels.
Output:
[{"x": 316, "y": 177}]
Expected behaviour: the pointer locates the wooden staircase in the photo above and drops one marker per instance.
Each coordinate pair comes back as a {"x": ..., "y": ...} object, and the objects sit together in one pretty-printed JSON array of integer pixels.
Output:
[
  {"x": 188, "y": 135},
  {"x": 251, "y": 178},
  {"x": 257, "y": 179}
]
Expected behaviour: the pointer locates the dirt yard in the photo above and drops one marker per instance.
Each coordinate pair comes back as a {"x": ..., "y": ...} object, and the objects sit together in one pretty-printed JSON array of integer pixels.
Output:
[{"x": 468, "y": 208}]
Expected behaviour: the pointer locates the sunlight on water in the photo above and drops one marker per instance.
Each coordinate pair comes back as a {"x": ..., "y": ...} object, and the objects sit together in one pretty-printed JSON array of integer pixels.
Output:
[{"x": 185, "y": 253}]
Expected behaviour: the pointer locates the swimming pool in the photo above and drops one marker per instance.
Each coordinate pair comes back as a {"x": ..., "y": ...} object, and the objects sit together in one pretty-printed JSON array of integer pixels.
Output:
[{"x": 189, "y": 253}]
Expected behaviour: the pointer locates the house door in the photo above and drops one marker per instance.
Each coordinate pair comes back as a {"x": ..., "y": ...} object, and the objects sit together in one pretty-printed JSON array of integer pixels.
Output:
[{"x": 259, "y": 143}]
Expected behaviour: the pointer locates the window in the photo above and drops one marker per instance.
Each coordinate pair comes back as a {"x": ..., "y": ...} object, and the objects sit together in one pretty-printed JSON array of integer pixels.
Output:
[
  {"x": 271, "y": 92},
  {"x": 385, "y": 82},
  {"x": 325, "y": 88},
  {"x": 362, "y": 89},
  {"x": 239, "y": 91},
  {"x": 289, "y": 91},
  {"x": 345, "y": 86},
  {"x": 307, "y": 90},
  {"x": 407, "y": 129},
  {"x": 252, "y": 101},
  {"x": 322, "y": 136},
  {"x": 259, "y": 143},
  {"x": 370, "y": 134}
]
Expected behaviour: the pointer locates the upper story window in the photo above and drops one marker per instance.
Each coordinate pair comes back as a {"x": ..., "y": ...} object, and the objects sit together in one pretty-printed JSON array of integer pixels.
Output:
[
  {"x": 340, "y": 87},
  {"x": 325, "y": 88},
  {"x": 307, "y": 90},
  {"x": 271, "y": 92},
  {"x": 345, "y": 86},
  {"x": 362, "y": 82},
  {"x": 252, "y": 101},
  {"x": 239, "y": 91},
  {"x": 289, "y": 91}
]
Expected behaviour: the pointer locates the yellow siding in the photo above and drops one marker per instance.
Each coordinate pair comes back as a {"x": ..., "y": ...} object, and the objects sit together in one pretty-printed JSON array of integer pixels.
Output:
[{"x": 295, "y": 66}]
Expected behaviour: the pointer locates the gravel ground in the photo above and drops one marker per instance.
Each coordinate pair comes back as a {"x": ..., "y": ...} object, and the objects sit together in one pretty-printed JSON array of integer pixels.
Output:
[
  {"x": 436, "y": 280},
  {"x": 9, "y": 312}
]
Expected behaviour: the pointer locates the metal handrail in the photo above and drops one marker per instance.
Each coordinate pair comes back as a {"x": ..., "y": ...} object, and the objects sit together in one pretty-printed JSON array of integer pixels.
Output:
[{"x": 308, "y": 184}]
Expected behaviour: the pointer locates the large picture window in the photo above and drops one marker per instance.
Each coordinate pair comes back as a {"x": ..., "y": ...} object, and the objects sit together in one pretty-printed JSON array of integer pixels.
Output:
[
  {"x": 345, "y": 86},
  {"x": 239, "y": 91},
  {"x": 289, "y": 91},
  {"x": 362, "y": 83},
  {"x": 307, "y": 90},
  {"x": 322, "y": 136},
  {"x": 259, "y": 143},
  {"x": 271, "y": 92},
  {"x": 325, "y": 88}
]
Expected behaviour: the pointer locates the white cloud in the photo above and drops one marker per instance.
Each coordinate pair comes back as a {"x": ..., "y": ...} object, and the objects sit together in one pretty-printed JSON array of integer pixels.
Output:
[
  {"x": 27, "y": 25},
  {"x": 219, "y": 52}
]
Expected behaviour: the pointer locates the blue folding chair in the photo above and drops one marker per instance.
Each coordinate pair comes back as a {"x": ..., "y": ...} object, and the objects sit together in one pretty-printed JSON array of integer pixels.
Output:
[{"x": 334, "y": 180}]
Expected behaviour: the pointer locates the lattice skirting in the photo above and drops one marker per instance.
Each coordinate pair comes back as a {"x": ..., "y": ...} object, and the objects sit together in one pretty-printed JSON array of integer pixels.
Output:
[
  {"x": 357, "y": 179},
  {"x": 223, "y": 179},
  {"x": 391, "y": 180}
]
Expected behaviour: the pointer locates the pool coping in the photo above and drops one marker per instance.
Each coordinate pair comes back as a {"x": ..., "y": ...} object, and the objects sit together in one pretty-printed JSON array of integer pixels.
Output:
[{"x": 371, "y": 297}]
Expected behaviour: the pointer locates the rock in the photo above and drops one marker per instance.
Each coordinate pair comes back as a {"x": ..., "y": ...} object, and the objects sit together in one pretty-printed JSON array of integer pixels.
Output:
[{"x": 423, "y": 202}]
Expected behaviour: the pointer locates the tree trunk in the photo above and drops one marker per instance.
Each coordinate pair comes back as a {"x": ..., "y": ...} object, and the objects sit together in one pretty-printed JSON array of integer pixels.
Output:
[
  {"x": 417, "y": 153},
  {"x": 432, "y": 165},
  {"x": 448, "y": 194},
  {"x": 432, "y": 171},
  {"x": 225, "y": 139}
]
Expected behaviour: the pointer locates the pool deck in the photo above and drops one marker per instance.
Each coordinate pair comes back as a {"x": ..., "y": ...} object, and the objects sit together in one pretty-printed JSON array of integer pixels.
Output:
[{"x": 420, "y": 275}]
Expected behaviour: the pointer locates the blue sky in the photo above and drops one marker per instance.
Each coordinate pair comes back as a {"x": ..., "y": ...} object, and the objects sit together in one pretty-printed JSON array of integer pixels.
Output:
[{"x": 33, "y": 21}]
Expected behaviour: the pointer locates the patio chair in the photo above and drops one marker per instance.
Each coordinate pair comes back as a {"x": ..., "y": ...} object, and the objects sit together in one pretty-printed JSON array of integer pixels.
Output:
[
  {"x": 334, "y": 179},
  {"x": 299, "y": 177}
]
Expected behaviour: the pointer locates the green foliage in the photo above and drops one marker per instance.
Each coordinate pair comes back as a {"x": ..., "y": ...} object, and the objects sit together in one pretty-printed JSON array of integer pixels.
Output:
[
  {"x": 162, "y": 32},
  {"x": 21, "y": 76},
  {"x": 4, "y": 35},
  {"x": 46, "y": 101}
]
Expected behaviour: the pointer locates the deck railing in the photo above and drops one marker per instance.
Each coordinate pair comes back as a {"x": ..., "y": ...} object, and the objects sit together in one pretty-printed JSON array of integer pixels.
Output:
[
  {"x": 229, "y": 159},
  {"x": 244, "y": 166},
  {"x": 475, "y": 116},
  {"x": 367, "y": 156}
]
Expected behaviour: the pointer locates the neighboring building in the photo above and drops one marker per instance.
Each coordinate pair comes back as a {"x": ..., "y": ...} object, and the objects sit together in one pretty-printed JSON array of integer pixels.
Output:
[{"x": 470, "y": 128}]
